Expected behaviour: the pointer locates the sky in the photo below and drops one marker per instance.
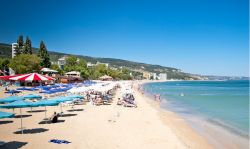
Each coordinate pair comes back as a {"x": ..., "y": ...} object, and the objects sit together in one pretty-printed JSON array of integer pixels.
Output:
[{"x": 198, "y": 36}]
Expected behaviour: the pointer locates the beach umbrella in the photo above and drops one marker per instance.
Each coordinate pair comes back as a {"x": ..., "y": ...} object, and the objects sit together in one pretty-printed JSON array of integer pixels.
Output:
[
  {"x": 11, "y": 99},
  {"x": 61, "y": 99},
  {"x": 26, "y": 89},
  {"x": 6, "y": 78},
  {"x": 75, "y": 96},
  {"x": 44, "y": 103},
  {"x": 32, "y": 96},
  {"x": 17, "y": 104},
  {"x": 6, "y": 114},
  {"x": 32, "y": 77},
  {"x": 12, "y": 92}
]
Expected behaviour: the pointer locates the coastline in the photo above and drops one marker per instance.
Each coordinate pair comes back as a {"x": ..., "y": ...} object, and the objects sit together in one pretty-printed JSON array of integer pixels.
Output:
[
  {"x": 178, "y": 125},
  {"x": 215, "y": 135},
  {"x": 107, "y": 126}
]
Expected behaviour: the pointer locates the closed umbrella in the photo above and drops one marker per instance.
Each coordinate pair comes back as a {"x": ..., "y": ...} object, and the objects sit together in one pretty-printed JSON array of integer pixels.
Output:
[{"x": 17, "y": 104}]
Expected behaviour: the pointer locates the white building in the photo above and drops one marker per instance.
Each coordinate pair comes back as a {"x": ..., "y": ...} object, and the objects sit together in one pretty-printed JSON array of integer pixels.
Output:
[
  {"x": 89, "y": 64},
  {"x": 61, "y": 62},
  {"x": 154, "y": 76},
  {"x": 73, "y": 74},
  {"x": 162, "y": 76},
  {"x": 14, "y": 45},
  {"x": 106, "y": 64}
]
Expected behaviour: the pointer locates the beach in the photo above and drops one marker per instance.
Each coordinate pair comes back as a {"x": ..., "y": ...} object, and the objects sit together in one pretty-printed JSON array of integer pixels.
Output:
[{"x": 105, "y": 126}]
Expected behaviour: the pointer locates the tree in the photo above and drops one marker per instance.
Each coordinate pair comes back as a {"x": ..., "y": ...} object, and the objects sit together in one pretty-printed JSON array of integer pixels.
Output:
[
  {"x": 44, "y": 55},
  {"x": 19, "y": 47},
  {"x": 4, "y": 62},
  {"x": 25, "y": 63},
  {"x": 56, "y": 67},
  {"x": 73, "y": 64},
  {"x": 28, "y": 47}
]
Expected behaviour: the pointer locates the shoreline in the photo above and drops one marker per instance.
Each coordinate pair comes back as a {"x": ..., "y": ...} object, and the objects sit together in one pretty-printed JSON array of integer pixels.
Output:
[
  {"x": 179, "y": 126},
  {"x": 106, "y": 127},
  {"x": 147, "y": 126},
  {"x": 217, "y": 136}
]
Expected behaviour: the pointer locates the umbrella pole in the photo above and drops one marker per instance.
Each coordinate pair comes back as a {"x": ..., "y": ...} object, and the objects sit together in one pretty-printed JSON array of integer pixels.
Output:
[
  {"x": 45, "y": 113},
  {"x": 61, "y": 108},
  {"x": 21, "y": 120}
]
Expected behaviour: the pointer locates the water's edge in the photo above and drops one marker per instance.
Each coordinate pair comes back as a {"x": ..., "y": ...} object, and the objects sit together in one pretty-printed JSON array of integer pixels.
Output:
[{"x": 218, "y": 134}]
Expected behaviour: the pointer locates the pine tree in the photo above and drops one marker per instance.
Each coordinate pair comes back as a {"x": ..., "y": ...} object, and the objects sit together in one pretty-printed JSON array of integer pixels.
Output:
[
  {"x": 28, "y": 46},
  {"x": 44, "y": 55},
  {"x": 19, "y": 47}
]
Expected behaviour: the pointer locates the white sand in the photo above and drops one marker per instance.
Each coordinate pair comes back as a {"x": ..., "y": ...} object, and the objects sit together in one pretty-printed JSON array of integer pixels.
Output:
[{"x": 105, "y": 127}]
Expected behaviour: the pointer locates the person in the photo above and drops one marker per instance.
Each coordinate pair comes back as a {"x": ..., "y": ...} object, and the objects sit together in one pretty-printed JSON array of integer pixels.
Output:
[
  {"x": 54, "y": 118},
  {"x": 6, "y": 88},
  {"x": 119, "y": 102},
  {"x": 157, "y": 97}
]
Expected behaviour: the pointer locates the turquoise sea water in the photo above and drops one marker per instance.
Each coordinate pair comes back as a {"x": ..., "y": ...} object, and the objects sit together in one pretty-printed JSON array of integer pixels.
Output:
[{"x": 223, "y": 103}]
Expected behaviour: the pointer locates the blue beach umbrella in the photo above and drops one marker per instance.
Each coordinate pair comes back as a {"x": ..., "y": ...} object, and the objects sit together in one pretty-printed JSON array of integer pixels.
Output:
[
  {"x": 17, "y": 104},
  {"x": 12, "y": 91},
  {"x": 75, "y": 96},
  {"x": 11, "y": 99},
  {"x": 27, "y": 89},
  {"x": 62, "y": 99},
  {"x": 44, "y": 103},
  {"x": 32, "y": 96},
  {"x": 6, "y": 114}
]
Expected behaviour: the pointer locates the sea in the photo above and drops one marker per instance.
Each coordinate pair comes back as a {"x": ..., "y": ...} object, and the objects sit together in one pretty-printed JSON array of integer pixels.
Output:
[{"x": 210, "y": 107}]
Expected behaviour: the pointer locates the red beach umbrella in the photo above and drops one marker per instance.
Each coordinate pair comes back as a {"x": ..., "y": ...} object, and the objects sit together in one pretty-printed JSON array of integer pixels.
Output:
[
  {"x": 31, "y": 77},
  {"x": 6, "y": 77}
]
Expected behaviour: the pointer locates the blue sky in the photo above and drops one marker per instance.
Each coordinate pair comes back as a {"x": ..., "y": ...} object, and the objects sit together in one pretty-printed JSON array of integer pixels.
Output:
[{"x": 197, "y": 36}]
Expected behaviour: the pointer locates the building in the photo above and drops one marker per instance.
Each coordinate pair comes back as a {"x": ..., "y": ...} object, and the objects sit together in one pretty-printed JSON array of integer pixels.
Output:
[
  {"x": 73, "y": 74},
  {"x": 162, "y": 76},
  {"x": 146, "y": 75},
  {"x": 89, "y": 64},
  {"x": 13, "y": 46},
  {"x": 106, "y": 78},
  {"x": 61, "y": 62},
  {"x": 106, "y": 64},
  {"x": 154, "y": 76}
]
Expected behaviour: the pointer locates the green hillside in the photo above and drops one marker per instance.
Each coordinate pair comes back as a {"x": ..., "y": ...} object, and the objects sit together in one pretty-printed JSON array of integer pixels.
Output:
[{"x": 5, "y": 51}]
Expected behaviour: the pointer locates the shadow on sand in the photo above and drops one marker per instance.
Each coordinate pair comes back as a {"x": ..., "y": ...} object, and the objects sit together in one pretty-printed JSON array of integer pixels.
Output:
[
  {"x": 13, "y": 145},
  {"x": 5, "y": 122},
  {"x": 73, "y": 110},
  {"x": 49, "y": 122},
  {"x": 31, "y": 131},
  {"x": 36, "y": 111},
  {"x": 23, "y": 116},
  {"x": 67, "y": 115}
]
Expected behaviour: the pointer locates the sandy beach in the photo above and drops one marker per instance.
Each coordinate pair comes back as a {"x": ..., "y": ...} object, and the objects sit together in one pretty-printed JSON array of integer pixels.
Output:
[{"x": 105, "y": 126}]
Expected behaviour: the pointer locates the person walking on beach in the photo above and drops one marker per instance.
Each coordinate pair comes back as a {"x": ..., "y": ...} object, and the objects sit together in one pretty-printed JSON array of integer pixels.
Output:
[{"x": 157, "y": 97}]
